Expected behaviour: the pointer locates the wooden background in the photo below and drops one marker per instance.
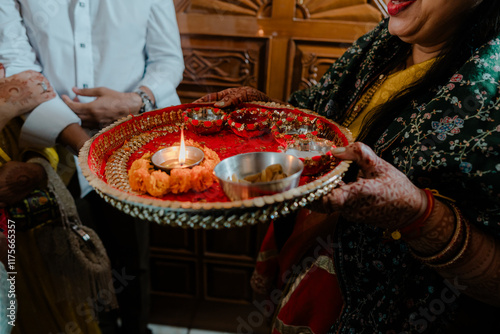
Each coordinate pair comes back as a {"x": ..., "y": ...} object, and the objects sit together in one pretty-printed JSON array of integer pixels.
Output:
[{"x": 276, "y": 46}]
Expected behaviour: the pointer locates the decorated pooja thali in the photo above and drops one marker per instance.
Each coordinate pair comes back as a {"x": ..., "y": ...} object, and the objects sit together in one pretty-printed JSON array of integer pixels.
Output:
[{"x": 159, "y": 166}]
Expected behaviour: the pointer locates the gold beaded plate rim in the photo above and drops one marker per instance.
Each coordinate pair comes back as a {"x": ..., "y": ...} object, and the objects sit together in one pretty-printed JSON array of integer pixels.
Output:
[{"x": 210, "y": 215}]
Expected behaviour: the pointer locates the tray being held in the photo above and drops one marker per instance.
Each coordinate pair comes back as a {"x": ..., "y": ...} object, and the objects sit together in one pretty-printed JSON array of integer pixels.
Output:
[{"x": 107, "y": 158}]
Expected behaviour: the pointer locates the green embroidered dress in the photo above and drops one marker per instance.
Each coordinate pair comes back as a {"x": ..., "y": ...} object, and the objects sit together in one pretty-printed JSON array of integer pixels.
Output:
[{"x": 446, "y": 140}]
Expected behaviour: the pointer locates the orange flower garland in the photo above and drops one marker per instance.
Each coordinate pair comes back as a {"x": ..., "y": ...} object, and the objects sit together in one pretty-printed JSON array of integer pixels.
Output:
[{"x": 144, "y": 179}]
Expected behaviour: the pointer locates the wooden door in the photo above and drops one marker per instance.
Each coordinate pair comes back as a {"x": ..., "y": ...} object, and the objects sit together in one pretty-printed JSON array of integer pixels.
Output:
[{"x": 277, "y": 46}]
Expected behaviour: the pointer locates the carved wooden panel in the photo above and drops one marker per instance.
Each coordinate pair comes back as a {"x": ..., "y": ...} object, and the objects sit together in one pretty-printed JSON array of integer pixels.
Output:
[
  {"x": 255, "y": 8},
  {"x": 346, "y": 10},
  {"x": 212, "y": 64},
  {"x": 309, "y": 60}
]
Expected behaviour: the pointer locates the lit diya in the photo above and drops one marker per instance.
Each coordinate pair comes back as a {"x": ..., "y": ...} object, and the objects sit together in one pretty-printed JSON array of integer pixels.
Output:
[
  {"x": 315, "y": 154},
  {"x": 190, "y": 168},
  {"x": 181, "y": 156}
]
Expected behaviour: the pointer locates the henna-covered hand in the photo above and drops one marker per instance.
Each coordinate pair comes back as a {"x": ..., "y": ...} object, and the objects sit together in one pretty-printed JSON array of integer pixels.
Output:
[
  {"x": 22, "y": 92},
  {"x": 108, "y": 106},
  {"x": 234, "y": 96},
  {"x": 18, "y": 179},
  {"x": 381, "y": 196}
]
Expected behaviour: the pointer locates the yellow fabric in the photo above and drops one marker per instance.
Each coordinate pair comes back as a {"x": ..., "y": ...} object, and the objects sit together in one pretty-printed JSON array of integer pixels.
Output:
[
  {"x": 4, "y": 157},
  {"x": 38, "y": 312},
  {"x": 392, "y": 85},
  {"x": 9, "y": 137}
]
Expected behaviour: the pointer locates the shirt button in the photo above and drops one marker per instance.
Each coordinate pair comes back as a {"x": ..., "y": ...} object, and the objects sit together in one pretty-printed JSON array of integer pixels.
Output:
[
  {"x": 82, "y": 4},
  {"x": 82, "y": 45},
  {"x": 85, "y": 86}
]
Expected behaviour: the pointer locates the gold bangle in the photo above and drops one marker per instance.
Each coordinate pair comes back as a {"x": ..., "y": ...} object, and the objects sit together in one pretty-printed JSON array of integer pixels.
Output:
[
  {"x": 460, "y": 254},
  {"x": 452, "y": 247}
]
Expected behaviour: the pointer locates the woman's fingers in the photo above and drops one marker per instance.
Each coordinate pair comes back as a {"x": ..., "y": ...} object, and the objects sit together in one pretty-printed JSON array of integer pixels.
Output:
[
  {"x": 336, "y": 199},
  {"x": 222, "y": 99},
  {"x": 212, "y": 97},
  {"x": 371, "y": 166},
  {"x": 234, "y": 96}
]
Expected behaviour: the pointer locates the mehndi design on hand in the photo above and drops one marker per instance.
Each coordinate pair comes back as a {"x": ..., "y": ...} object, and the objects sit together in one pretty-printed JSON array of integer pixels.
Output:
[
  {"x": 381, "y": 196},
  {"x": 234, "y": 96}
]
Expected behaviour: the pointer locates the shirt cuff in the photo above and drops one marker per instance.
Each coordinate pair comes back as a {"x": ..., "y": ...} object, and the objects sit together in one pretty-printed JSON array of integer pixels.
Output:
[
  {"x": 42, "y": 127},
  {"x": 165, "y": 94}
]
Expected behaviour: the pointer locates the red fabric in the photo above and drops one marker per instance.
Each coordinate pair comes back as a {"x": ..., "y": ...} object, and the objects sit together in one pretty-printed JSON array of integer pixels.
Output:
[
  {"x": 4, "y": 221},
  {"x": 267, "y": 264},
  {"x": 316, "y": 301}
]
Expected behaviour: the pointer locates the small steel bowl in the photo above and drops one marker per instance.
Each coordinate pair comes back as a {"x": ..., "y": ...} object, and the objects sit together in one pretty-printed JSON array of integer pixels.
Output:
[
  {"x": 296, "y": 127},
  {"x": 246, "y": 164},
  {"x": 168, "y": 158},
  {"x": 315, "y": 154},
  {"x": 249, "y": 122},
  {"x": 205, "y": 120}
]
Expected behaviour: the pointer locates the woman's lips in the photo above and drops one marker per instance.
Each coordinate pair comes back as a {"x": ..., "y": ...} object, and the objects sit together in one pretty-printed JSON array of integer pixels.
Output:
[{"x": 394, "y": 7}]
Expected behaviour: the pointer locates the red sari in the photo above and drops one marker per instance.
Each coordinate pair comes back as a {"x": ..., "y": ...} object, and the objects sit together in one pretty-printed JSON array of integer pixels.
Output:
[{"x": 300, "y": 279}]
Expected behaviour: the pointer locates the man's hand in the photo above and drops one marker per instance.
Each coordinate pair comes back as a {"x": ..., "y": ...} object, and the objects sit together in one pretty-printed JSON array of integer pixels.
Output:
[
  {"x": 22, "y": 92},
  {"x": 108, "y": 106},
  {"x": 18, "y": 179}
]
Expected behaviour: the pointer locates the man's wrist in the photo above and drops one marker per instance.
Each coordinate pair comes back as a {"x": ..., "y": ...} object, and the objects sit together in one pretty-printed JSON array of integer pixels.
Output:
[
  {"x": 148, "y": 103},
  {"x": 136, "y": 103}
]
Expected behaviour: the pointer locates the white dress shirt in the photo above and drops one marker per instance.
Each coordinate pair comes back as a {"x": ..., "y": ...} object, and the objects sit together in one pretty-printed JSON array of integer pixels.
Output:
[{"x": 118, "y": 44}]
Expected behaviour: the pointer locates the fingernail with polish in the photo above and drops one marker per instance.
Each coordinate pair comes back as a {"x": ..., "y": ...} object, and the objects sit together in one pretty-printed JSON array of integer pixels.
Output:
[{"x": 338, "y": 150}]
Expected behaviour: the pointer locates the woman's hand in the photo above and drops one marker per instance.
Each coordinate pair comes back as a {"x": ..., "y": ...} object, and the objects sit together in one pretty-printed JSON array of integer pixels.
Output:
[
  {"x": 381, "y": 196},
  {"x": 234, "y": 96},
  {"x": 18, "y": 179},
  {"x": 22, "y": 92}
]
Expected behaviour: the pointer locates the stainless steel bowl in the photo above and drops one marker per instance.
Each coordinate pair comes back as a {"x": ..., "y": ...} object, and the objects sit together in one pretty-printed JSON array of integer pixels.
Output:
[{"x": 246, "y": 164}]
